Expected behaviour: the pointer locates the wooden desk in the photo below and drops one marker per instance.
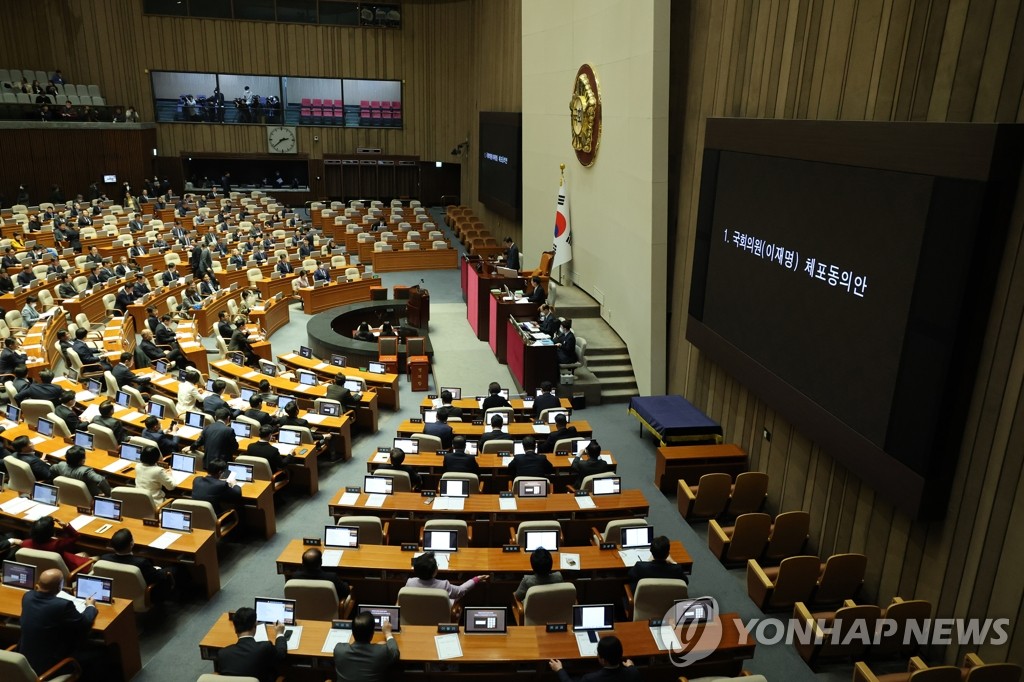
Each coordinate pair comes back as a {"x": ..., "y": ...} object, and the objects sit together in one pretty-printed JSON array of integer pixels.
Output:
[
  {"x": 478, "y": 288},
  {"x": 156, "y": 299},
  {"x": 196, "y": 550},
  {"x": 423, "y": 259},
  {"x": 335, "y": 294},
  {"x": 471, "y": 407},
  {"x": 91, "y": 304},
  {"x": 272, "y": 315},
  {"x": 114, "y": 624},
  {"x": 517, "y": 430},
  {"x": 379, "y": 571},
  {"x": 40, "y": 344},
  {"x": 690, "y": 462},
  {"x": 499, "y": 312},
  {"x": 491, "y": 524},
  {"x": 386, "y": 385},
  {"x": 530, "y": 364},
  {"x": 523, "y": 647},
  {"x": 270, "y": 287}
]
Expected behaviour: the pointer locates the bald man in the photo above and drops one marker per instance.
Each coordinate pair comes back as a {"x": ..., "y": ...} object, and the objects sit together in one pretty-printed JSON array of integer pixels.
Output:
[{"x": 51, "y": 627}]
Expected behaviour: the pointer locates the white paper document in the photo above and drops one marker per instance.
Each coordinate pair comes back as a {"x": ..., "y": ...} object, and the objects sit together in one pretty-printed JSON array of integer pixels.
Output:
[
  {"x": 316, "y": 418},
  {"x": 585, "y": 502},
  {"x": 381, "y": 458},
  {"x": 335, "y": 636},
  {"x": 187, "y": 431},
  {"x": 448, "y": 646},
  {"x": 586, "y": 647},
  {"x": 665, "y": 638},
  {"x": 607, "y": 458},
  {"x": 36, "y": 440},
  {"x": 293, "y": 634},
  {"x": 17, "y": 505},
  {"x": 349, "y": 499},
  {"x": 505, "y": 461},
  {"x": 85, "y": 396},
  {"x": 631, "y": 556},
  {"x": 449, "y": 503},
  {"x": 130, "y": 415},
  {"x": 541, "y": 428},
  {"x": 179, "y": 476},
  {"x": 287, "y": 356},
  {"x": 59, "y": 454},
  {"x": 507, "y": 503},
  {"x": 89, "y": 413},
  {"x": 332, "y": 557},
  {"x": 375, "y": 500},
  {"x": 81, "y": 521},
  {"x": 39, "y": 510},
  {"x": 568, "y": 562},
  {"x": 165, "y": 540}
]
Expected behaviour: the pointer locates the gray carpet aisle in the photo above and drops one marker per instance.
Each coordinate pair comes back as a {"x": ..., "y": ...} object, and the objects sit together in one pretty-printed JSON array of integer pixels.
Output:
[{"x": 170, "y": 642}]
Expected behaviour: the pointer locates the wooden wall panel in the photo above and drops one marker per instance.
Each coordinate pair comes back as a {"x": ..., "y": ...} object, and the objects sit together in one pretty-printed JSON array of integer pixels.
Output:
[{"x": 886, "y": 60}]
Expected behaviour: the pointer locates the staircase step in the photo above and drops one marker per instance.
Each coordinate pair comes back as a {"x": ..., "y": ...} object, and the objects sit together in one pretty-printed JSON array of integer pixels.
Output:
[
  {"x": 616, "y": 395},
  {"x": 605, "y": 360},
  {"x": 609, "y": 372}
]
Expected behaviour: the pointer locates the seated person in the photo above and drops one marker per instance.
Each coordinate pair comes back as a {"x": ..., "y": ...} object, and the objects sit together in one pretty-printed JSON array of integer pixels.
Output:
[
  {"x": 213, "y": 487},
  {"x": 447, "y": 407},
  {"x": 495, "y": 433},
  {"x": 363, "y": 333},
  {"x": 150, "y": 477},
  {"x": 530, "y": 463},
  {"x": 122, "y": 371},
  {"x": 22, "y": 449},
  {"x": 10, "y": 357},
  {"x": 123, "y": 543},
  {"x": 565, "y": 342},
  {"x": 609, "y": 657},
  {"x": 86, "y": 353},
  {"x": 66, "y": 410},
  {"x": 249, "y": 658},
  {"x": 660, "y": 565},
  {"x": 166, "y": 442},
  {"x": 256, "y": 412},
  {"x": 494, "y": 399},
  {"x": 458, "y": 460},
  {"x": 291, "y": 416},
  {"x": 542, "y": 574},
  {"x": 590, "y": 464},
  {"x": 546, "y": 400},
  {"x": 538, "y": 295},
  {"x": 215, "y": 400},
  {"x": 396, "y": 461},
  {"x": 264, "y": 449},
  {"x": 337, "y": 391},
  {"x": 440, "y": 429},
  {"x": 312, "y": 569},
  {"x": 562, "y": 431},
  {"x": 21, "y": 378},
  {"x": 74, "y": 467},
  {"x": 43, "y": 536},
  {"x": 106, "y": 418},
  {"x": 424, "y": 568}
]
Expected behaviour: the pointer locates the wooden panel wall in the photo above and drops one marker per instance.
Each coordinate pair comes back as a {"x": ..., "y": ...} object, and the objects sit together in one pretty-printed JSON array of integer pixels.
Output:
[{"x": 887, "y": 60}]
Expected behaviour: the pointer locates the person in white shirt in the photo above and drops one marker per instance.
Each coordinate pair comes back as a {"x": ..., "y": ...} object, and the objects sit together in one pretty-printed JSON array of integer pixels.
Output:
[
  {"x": 188, "y": 392},
  {"x": 150, "y": 477}
]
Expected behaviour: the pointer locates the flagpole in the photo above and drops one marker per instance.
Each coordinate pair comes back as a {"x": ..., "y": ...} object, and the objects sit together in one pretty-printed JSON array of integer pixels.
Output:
[{"x": 561, "y": 183}]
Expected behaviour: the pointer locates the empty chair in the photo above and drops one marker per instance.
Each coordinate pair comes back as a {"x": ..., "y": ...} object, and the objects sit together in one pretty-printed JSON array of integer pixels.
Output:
[
  {"x": 72, "y": 491},
  {"x": 706, "y": 500},
  {"x": 653, "y": 597},
  {"x": 973, "y": 670},
  {"x": 498, "y": 445},
  {"x": 463, "y": 532},
  {"x": 134, "y": 502},
  {"x": 44, "y": 560},
  {"x": 305, "y": 435},
  {"x": 475, "y": 486},
  {"x": 744, "y": 540},
  {"x": 424, "y": 606},
  {"x": 788, "y": 536},
  {"x": 14, "y": 667},
  {"x": 748, "y": 493},
  {"x": 372, "y": 531},
  {"x": 838, "y": 634},
  {"x": 128, "y": 583},
  {"x": 427, "y": 442},
  {"x": 103, "y": 438},
  {"x": 498, "y": 410},
  {"x": 518, "y": 536},
  {"x": 204, "y": 517},
  {"x": 411, "y": 246},
  {"x": 773, "y": 589},
  {"x": 352, "y": 274},
  {"x": 545, "y": 604},
  {"x": 613, "y": 530},
  {"x": 20, "y": 477},
  {"x": 261, "y": 471},
  {"x": 587, "y": 485},
  {"x": 315, "y": 599},
  {"x": 901, "y": 614},
  {"x": 32, "y": 410},
  {"x": 842, "y": 576}
]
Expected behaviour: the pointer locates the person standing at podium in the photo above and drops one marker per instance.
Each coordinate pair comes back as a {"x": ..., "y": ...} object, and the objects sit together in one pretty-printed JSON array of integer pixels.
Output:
[{"x": 511, "y": 254}]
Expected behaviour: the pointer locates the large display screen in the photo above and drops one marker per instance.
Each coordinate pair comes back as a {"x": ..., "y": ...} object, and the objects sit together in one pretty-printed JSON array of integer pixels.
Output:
[
  {"x": 501, "y": 174},
  {"x": 844, "y": 277}
]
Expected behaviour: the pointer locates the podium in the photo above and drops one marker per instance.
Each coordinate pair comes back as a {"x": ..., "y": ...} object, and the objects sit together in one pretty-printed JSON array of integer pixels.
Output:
[{"x": 417, "y": 310}]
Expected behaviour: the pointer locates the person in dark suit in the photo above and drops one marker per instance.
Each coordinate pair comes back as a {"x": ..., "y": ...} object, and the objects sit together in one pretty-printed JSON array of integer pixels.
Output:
[
  {"x": 458, "y": 460},
  {"x": 66, "y": 410},
  {"x": 218, "y": 440},
  {"x": 538, "y": 295},
  {"x": 609, "y": 657},
  {"x": 321, "y": 274},
  {"x": 548, "y": 322},
  {"x": 565, "y": 342},
  {"x": 165, "y": 336},
  {"x": 312, "y": 569},
  {"x": 215, "y": 400},
  {"x": 240, "y": 342},
  {"x": 21, "y": 378},
  {"x": 124, "y": 375},
  {"x": 140, "y": 288},
  {"x": 86, "y": 353},
  {"x": 44, "y": 389},
  {"x": 166, "y": 442},
  {"x": 291, "y": 416},
  {"x": 66, "y": 289},
  {"x": 659, "y": 566},
  {"x": 494, "y": 398},
  {"x": 10, "y": 357},
  {"x": 223, "y": 326},
  {"x": 256, "y": 412},
  {"x": 511, "y": 254},
  {"x": 363, "y": 660},
  {"x": 589, "y": 464},
  {"x": 530, "y": 463},
  {"x": 162, "y": 580},
  {"x": 249, "y": 658},
  {"x": 124, "y": 298},
  {"x": 440, "y": 429},
  {"x": 283, "y": 266},
  {"x": 6, "y": 284},
  {"x": 106, "y": 418},
  {"x": 337, "y": 391},
  {"x": 546, "y": 400},
  {"x": 94, "y": 256},
  {"x": 494, "y": 433},
  {"x": 213, "y": 488},
  {"x": 171, "y": 275},
  {"x": 264, "y": 449},
  {"x": 22, "y": 449},
  {"x": 561, "y": 432},
  {"x": 447, "y": 407},
  {"x": 396, "y": 461},
  {"x": 52, "y": 628}
]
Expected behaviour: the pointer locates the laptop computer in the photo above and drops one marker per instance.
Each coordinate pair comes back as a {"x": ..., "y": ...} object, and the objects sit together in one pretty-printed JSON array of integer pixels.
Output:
[
  {"x": 242, "y": 472},
  {"x": 409, "y": 446},
  {"x": 209, "y": 385},
  {"x": 454, "y": 390},
  {"x": 376, "y": 367},
  {"x": 83, "y": 439},
  {"x": 176, "y": 519},
  {"x": 71, "y": 374},
  {"x": 440, "y": 541},
  {"x": 241, "y": 430},
  {"x": 609, "y": 485},
  {"x": 44, "y": 494},
  {"x": 13, "y": 413},
  {"x": 19, "y": 575},
  {"x": 383, "y": 613},
  {"x": 454, "y": 487},
  {"x": 106, "y": 508},
  {"x": 97, "y": 587},
  {"x": 94, "y": 386},
  {"x": 486, "y": 620},
  {"x": 283, "y": 401},
  {"x": 246, "y": 393},
  {"x": 535, "y": 539},
  {"x": 383, "y": 485},
  {"x": 160, "y": 366},
  {"x": 636, "y": 537},
  {"x": 341, "y": 536},
  {"x": 268, "y": 368},
  {"x": 306, "y": 378},
  {"x": 195, "y": 419},
  {"x": 532, "y": 488},
  {"x": 270, "y": 610},
  {"x": 592, "y": 619}
]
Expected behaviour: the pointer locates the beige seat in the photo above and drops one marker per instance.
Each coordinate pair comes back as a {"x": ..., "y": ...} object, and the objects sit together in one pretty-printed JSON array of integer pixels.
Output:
[
  {"x": 242, "y": 419},
  {"x": 842, "y": 577},
  {"x": 19, "y": 474},
  {"x": 170, "y": 407},
  {"x": 134, "y": 502},
  {"x": 587, "y": 484},
  {"x": 72, "y": 491},
  {"x": 15, "y": 668},
  {"x": 400, "y": 481},
  {"x": 428, "y": 443},
  {"x": 44, "y": 560},
  {"x": 128, "y": 583},
  {"x": 545, "y": 604},
  {"x": 424, "y": 606},
  {"x": 103, "y": 438},
  {"x": 498, "y": 445},
  {"x": 205, "y": 518},
  {"x": 773, "y": 589},
  {"x": 474, "y": 481},
  {"x": 372, "y": 531},
  {"x": 111, "y": 383},
  {"x": 653, "y": 597},
  {"x": 563, "y": 446},
  {"x": 706, "y": 500},
  {"x": 305, "y": 435},
  {"x": 742, "y": 541},
  {"x": 316, "y": 599},
  {"x": 60, "y": 427},
  {"x": 789, "y": 535},
  {"x": 748, "y": 493},
  {"x": 518, "y": 536},
  {"x": 499, "y": 410},
  {"x": 464, "y": 534},
  {"x": 261, "y": 471},
  {"x": 136, "y": 400},
  {"x": 613, "y": 530}
]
